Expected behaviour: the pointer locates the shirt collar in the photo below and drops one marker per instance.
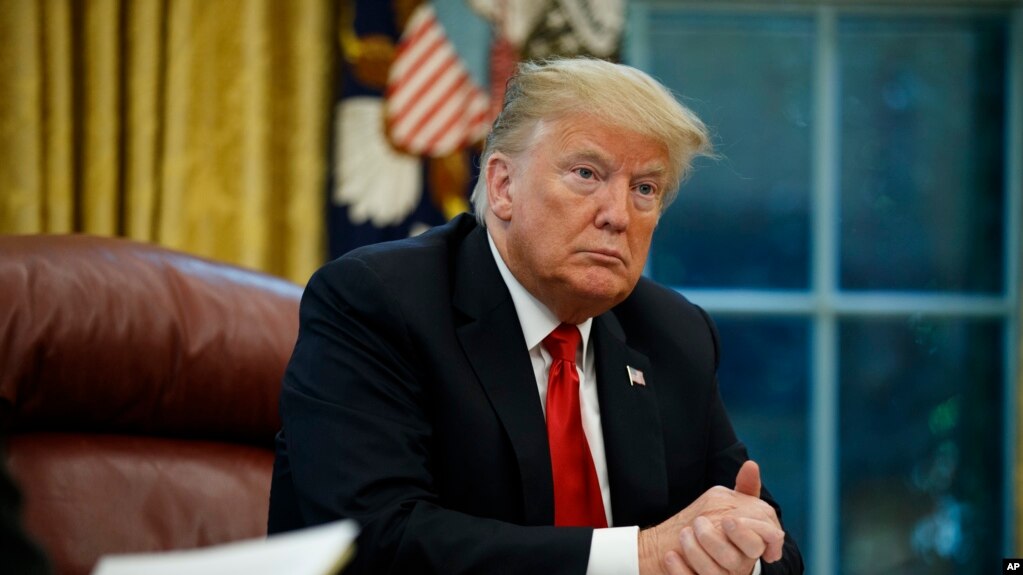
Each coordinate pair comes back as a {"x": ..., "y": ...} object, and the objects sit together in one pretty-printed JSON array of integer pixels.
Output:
[{"x": 536, "y": 319}]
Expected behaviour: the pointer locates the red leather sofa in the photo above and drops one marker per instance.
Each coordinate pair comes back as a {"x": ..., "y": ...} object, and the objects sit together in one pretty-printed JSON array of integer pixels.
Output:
[{"x": 138, "y": 394}]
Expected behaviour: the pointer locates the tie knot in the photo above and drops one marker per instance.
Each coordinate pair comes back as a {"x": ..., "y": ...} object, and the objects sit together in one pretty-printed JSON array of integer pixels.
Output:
[{"x": 562, "y": 342}]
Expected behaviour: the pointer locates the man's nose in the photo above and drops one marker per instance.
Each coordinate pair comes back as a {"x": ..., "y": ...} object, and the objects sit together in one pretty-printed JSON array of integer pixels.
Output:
[{"x": 613, "y": 209}]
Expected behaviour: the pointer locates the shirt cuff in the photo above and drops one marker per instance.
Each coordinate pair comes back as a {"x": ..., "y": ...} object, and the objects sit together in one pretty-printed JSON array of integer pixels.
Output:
[{"x": 615, "y": 551}]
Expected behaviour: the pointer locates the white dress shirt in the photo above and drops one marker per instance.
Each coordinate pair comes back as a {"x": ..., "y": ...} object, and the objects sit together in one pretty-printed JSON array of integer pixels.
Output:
[{"x": 615, "y": 550}]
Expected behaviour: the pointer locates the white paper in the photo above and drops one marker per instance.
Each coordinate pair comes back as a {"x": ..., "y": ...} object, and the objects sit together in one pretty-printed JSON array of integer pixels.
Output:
[{"x": 320, "y": 550}]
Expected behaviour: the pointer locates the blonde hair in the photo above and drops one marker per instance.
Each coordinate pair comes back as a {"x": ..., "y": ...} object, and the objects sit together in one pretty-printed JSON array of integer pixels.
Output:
[{"x": 612, "y": 94}]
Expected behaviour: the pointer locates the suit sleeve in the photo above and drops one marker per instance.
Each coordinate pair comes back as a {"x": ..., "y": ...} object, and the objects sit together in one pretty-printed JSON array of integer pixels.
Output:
[
  {"x": 728, "y": 456},
  {"x": 356, "y": 443}
]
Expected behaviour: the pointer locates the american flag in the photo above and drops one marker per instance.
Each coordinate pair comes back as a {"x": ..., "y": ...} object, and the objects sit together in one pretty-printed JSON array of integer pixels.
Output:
[
  {"x": 433, "y": 106},
  {"x": 635, "y": 376}
]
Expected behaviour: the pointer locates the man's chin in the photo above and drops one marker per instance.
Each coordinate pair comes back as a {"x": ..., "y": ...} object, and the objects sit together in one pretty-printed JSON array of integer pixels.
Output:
[{"x": 602, "y": 293}]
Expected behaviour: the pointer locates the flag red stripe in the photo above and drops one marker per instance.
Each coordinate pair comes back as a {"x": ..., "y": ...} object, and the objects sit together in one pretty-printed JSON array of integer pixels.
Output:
[
  {"x": 405, "y": 43},
  {"x": 458, "y": 116},
  {"x": 433, "y": 106},
  {"x": 419, "y": 96},
  {"x": 458, "y": 86},
  {"x": 427, "y": 54}
]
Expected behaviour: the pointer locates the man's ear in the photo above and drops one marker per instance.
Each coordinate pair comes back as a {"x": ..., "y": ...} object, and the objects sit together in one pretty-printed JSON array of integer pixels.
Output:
[{"x": 499, "y": 176}]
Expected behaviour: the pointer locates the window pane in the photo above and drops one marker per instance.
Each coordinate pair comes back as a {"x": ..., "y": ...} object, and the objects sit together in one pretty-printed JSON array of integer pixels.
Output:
[
  {"x": 922, "y": 144},
  {"x": 742, "y": 221},
  {"x": 921, "y": 446},
  {"x": 764, "y": 382}
]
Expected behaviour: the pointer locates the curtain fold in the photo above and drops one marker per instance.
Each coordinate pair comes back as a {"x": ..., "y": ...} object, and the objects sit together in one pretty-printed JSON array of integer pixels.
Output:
[
  {"x": 57, "y": 170},
  {"x": 197, "y": 124},
  {"x": 144, "y": 63},
  {"x": 101, "y": 74},
  {"x": 21, "y": 129}
]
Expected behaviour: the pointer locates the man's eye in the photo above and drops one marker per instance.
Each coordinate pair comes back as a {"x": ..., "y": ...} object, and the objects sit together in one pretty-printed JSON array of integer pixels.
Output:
[
  {"x": 585, "y": 173},
  {"x": 646, "y": 189}
]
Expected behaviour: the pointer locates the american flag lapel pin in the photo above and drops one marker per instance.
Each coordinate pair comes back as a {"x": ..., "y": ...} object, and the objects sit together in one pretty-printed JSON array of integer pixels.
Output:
[{"x": 635, "y": 376}]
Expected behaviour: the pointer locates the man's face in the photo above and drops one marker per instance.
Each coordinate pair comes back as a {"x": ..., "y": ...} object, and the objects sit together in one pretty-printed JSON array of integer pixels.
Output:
[{"x": 576, "y": 213}]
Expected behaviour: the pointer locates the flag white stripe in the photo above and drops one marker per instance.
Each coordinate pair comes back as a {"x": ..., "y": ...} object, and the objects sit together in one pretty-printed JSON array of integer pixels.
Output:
[
  {"x": 417, "y": 109},
  {"x": 432, "y": 105},
  {"x": 429, "y": 50},
  {"x": 421, "y": 77},
  {"x": 409, "y": 52},
  {"x": 466, "y": 131},
  {"x": 449, "y": 110}
]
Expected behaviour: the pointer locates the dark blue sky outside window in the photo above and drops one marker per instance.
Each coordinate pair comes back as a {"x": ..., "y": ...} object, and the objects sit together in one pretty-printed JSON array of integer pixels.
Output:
[
  {"x": 742, "y": 221},
  {"x": 923, "y": 128}
]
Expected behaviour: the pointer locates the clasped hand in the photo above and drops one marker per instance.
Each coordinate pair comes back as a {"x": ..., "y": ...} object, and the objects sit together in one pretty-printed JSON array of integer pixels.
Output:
[{"x": 723, "y": 532}]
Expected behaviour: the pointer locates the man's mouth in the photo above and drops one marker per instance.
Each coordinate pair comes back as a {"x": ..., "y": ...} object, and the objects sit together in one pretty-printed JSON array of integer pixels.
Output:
[{"x": 610, "y": 255}]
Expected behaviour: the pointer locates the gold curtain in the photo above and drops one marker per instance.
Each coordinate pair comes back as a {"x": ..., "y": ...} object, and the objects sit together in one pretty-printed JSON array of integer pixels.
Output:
[{"x": 201, "y": 125}]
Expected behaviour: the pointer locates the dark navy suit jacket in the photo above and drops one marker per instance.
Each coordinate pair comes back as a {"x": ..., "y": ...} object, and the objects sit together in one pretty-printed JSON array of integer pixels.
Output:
[{"x": 410, "y": 405}]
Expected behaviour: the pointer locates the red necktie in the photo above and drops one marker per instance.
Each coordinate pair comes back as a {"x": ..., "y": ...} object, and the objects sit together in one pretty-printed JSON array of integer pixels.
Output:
[{"x": 577, "y": 500}]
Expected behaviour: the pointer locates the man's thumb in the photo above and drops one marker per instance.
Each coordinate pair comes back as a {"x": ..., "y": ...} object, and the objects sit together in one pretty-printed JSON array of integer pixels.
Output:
[{"x": 748, "y": 479}]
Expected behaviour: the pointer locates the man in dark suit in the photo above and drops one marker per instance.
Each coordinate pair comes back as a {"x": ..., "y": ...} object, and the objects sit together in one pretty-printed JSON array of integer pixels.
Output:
[{"x": 490, "y": 396}]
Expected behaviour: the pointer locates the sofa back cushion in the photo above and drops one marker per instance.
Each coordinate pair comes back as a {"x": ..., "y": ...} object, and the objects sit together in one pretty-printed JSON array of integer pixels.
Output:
[{"x": 138, "y": 394}]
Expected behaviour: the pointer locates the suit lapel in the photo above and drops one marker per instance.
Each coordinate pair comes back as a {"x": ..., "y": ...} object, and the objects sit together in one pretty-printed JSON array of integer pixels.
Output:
[
  {"x": 633, "y": 438},
  {"x": 492, "y": 339}
]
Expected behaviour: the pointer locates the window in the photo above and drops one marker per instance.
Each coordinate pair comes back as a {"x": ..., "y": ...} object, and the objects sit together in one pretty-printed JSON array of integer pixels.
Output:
[{"x": 858, "y": 247}]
